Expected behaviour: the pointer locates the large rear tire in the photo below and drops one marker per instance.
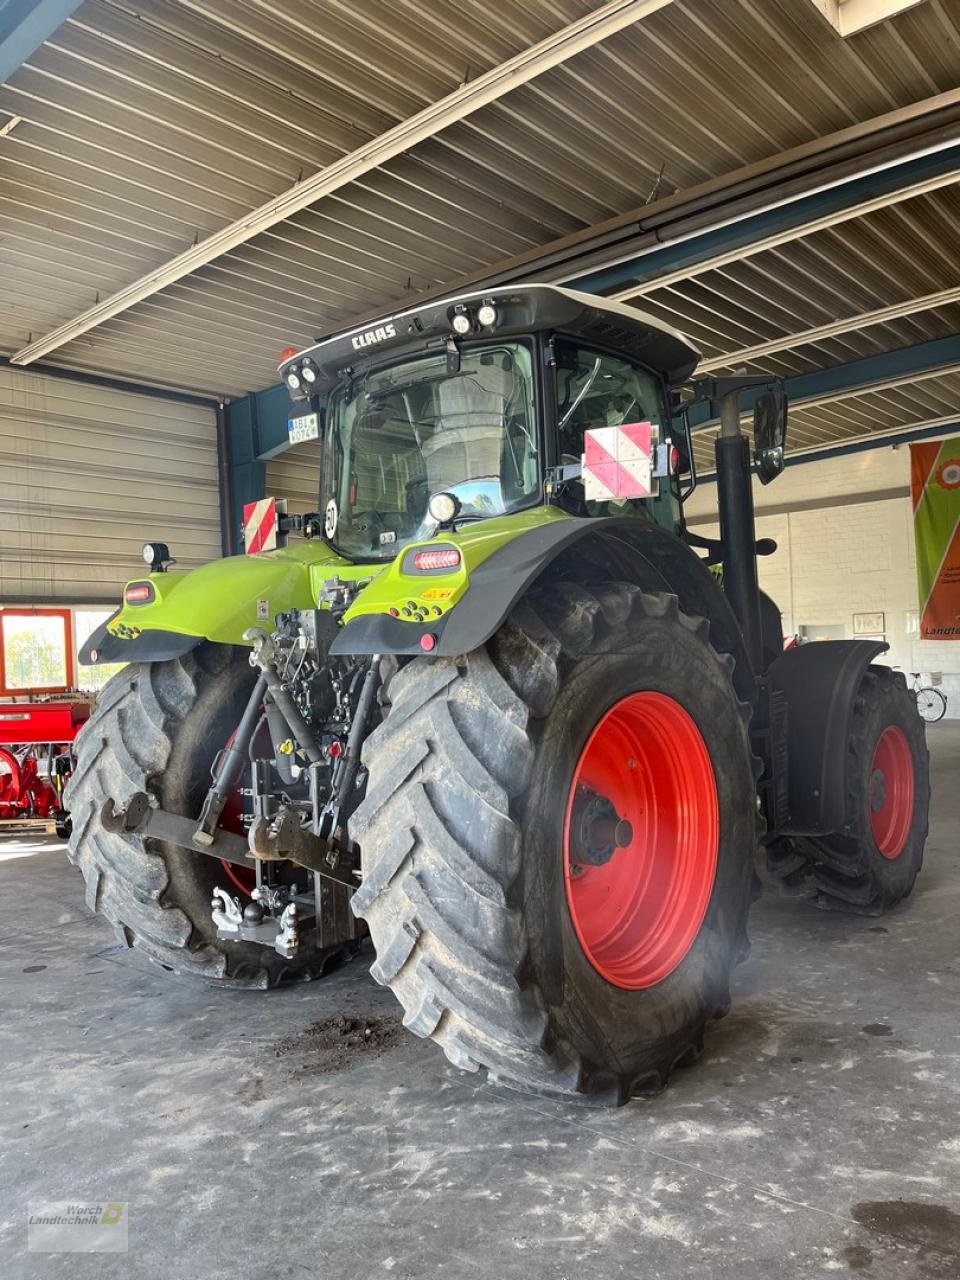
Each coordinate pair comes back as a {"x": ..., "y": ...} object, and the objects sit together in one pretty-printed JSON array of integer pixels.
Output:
[
  {"x": 472, "y": 865},
  {"x": 157, "y": 728},
  {"x": 871, "y": 864}
]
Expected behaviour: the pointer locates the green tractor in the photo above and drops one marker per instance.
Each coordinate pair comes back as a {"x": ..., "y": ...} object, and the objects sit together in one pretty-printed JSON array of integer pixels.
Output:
[{"x": 494, "y": 707}]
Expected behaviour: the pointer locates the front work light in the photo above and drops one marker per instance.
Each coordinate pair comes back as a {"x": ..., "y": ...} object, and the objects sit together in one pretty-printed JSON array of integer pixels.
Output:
[
  {"x": 461, "y": 322},
  {"x": 443, "y": 507},
  {"x": 487, "y": 315},
  {"x": 293, "y": 381},
  {"x": 157, "y": 556},
  {"x": 308, "y": 373}
]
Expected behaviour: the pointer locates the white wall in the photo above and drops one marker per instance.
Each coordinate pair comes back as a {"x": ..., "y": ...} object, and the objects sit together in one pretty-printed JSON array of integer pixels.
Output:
[{"x": 845, "y": 533}]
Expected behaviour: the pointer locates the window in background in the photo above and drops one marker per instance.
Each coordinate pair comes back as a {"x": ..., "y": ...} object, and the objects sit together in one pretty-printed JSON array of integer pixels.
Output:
[
  {"x": 822, "y": 631},
  {"x": 92, "y": 679},
  {"x": 35, "y": 651}
]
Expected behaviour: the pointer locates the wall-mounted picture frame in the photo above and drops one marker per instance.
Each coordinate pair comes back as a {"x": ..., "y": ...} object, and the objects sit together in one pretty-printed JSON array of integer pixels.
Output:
[{"x": 869, "y": 624}]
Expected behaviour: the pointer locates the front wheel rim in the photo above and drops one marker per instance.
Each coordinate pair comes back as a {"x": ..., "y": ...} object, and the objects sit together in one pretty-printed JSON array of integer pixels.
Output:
[
  {"x": 641, "y": 840},
  {"x": 891, "y": 787}
]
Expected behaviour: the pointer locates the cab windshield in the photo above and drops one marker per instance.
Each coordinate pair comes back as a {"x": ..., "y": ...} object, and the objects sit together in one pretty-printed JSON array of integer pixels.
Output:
[{"x": 399, "y": 435}]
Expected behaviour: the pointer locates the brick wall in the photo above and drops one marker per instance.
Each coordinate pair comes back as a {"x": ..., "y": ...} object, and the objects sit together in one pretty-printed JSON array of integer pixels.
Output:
[{"x": 845, "y": 546}]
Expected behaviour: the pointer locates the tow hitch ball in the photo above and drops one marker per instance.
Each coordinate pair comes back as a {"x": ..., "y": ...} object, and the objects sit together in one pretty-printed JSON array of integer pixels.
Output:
[{"x": 252, "y": 924}]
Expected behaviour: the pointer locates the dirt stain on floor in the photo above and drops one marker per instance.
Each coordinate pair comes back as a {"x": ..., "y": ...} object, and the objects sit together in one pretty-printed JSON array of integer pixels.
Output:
[
  {"x": 932, "y": 1228},
  {"x": 877, "y": 1029},
  {"x": 858, "y": 1257},
  {"x": 335, "y": 1043},
  {"x": 251, "y": 1091}
]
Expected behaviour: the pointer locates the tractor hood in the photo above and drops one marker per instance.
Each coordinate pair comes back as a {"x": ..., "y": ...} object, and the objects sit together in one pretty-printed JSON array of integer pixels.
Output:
[{"x": 523, "y": 309}]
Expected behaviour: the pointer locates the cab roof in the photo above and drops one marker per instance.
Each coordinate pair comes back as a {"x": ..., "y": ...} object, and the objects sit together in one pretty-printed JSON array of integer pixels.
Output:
[{"x": 520, "y": 309}]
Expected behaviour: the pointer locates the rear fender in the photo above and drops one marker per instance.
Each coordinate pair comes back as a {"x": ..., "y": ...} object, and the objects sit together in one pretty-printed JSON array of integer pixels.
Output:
[
  {"x": 573, "y": 549},
  {"x": 217, "y": 602},
  {"x": 819, "y": 683}
]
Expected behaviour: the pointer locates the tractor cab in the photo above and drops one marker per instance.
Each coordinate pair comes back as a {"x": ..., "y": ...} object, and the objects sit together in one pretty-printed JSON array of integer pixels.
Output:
[{"x": 483, "y": 406}]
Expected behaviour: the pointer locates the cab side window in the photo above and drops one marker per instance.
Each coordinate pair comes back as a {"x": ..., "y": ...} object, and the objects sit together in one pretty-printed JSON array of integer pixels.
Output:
[
  {"x": 594, "y": 390},
  {"x": 599, "y": 390}
]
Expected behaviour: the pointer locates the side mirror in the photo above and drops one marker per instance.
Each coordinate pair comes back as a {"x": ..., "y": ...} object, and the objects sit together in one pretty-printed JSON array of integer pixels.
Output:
[{"x": 769, "y": 433}]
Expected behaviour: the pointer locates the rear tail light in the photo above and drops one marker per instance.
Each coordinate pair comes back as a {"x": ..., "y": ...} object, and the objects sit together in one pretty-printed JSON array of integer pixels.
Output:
[
  {"x": 440, "y": 558},
  {"x": 139, "y": 593}
]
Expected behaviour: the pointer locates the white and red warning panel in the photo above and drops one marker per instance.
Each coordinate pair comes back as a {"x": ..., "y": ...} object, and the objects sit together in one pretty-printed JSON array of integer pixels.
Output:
[
  {"x": 617, "y": 462},
  {"x": 261, "y": 524}
]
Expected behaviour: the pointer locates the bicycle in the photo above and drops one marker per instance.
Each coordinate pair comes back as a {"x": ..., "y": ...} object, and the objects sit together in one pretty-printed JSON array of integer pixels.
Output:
[{"x": 931, "y": 703}]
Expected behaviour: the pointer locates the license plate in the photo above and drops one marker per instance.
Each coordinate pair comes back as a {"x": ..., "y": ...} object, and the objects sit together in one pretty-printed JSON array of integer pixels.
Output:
[{"x": 305, "y": 428}]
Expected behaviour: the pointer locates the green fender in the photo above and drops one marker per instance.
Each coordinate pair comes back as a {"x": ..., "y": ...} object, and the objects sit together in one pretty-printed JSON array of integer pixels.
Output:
[
  {"x": 484, "y": 592},
  {"x": 221, "y": 600},
  {"x": 217, "y": 602},
  {"x": 400, "y": 609}
]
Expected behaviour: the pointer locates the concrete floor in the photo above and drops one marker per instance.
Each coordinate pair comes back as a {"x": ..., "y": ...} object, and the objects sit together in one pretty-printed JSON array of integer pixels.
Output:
[{"x": 819, "y": 1134}]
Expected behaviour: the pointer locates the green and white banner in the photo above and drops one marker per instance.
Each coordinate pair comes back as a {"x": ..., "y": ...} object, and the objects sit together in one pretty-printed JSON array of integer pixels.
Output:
[{"x": 935, "y": 486}]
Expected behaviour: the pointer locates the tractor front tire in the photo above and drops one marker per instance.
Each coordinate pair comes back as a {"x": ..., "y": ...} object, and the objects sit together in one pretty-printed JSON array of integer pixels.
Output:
[
  {"x": 157, "y": 728},
  {"x": 871, "y": 863},
  {"x": 557, "y": 843}
]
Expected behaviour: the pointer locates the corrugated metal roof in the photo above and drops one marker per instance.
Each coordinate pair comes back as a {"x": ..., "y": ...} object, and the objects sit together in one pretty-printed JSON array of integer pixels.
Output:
[
  {"x": 897, "y": 253},
  {"x": 146, "y": 126}
]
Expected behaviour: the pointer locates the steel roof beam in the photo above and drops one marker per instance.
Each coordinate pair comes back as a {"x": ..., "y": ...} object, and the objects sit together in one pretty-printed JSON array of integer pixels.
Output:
[
  {"x": 692, "y": 253},
  {"x": 850, "y": 16},
  {"x": 24, "y": 25},
  {"x": 464, "y": 101},
  {"x": 871, "y": 373},
  {"x": 806, "y": 337}
]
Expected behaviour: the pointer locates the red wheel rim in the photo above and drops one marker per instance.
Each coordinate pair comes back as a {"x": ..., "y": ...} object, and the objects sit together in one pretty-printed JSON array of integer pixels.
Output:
[
  {"x": 646, "y": 771},
  {"x": 891, "y": 791},
  {"x": 11, "y": 784}
]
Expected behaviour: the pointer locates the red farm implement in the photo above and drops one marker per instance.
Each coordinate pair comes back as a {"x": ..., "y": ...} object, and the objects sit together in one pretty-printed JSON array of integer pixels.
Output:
[{"x": 36, "y": 759}]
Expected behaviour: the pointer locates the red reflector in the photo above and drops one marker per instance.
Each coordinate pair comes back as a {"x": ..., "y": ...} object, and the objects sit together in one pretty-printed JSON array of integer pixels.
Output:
[
  {"x": 334, "y": 751},
  {"x": 142, "y": 593},
  {"x": 445, "y": 558},
  {"x": 428, "y": 643},
  {"x": 674, "y": 457}
]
